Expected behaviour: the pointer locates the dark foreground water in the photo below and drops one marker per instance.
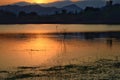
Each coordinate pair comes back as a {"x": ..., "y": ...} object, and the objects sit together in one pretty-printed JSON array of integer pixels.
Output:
[{"x": 60, "y": 54}]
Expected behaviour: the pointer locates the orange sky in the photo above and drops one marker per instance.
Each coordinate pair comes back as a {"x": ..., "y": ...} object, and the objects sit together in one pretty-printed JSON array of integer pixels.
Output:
[{"x": 2, "y": 2}]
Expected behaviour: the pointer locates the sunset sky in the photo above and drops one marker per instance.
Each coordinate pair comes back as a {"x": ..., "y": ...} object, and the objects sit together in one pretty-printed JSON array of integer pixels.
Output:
[{"x": 2, "y": 2}]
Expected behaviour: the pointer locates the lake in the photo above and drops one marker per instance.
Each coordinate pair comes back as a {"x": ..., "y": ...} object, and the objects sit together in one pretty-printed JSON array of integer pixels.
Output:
[
  {"x": 48, "y": 45},
  {"x": 47, "y": 28}
]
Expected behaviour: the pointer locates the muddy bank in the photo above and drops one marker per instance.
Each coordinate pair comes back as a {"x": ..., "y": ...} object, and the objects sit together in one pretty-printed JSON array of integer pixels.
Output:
[{"x": 103, "y": 69}]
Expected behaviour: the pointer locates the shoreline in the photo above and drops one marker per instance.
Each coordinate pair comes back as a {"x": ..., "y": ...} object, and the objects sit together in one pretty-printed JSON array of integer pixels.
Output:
[
  {"x": 102, "y": 69},
  {"x": 5, "y": 23}
]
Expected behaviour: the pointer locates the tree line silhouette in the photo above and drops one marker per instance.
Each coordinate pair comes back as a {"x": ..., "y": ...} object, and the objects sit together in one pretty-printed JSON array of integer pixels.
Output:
[{"x": 109, "y": 14}]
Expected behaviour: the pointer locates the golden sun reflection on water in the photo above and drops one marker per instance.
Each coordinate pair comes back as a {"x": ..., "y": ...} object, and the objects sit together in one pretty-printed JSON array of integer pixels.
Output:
[
  {"x": 34, "y": 51},
  {"x": 43, "y": 50}
]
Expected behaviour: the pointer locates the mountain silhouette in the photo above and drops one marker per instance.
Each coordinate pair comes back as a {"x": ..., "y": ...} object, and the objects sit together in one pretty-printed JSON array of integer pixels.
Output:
[
  {"x": 23, "y": 3},
  {"x": 81, "y": 3},
  {"x": 39, "y": 9},
  {"x": 60, "y": 4},
  {"x": 30, "y": 8},
  {"x": 72, "y": 8}
]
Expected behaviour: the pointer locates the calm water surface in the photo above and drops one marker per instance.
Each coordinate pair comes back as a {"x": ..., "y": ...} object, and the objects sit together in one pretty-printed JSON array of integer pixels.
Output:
[
  {"x": 45, "y": 28},
  {"x": 50, "y": 50}
]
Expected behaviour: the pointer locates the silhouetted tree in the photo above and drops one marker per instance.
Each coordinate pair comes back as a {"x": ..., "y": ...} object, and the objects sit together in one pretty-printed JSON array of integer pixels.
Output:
[
  {"x": 76, "y": 12},
  {"x": 22, "y": 14},
  {"x": 109, "y": 3},
  {"x": 6, "y": 14},
  {"x": 64, "y": 11},
  {"x": 56, "y": 12},
  {"x": 70, "y": 12},
  {"x": 89, "y": 9},
  {"x": 33, "y": 14}
]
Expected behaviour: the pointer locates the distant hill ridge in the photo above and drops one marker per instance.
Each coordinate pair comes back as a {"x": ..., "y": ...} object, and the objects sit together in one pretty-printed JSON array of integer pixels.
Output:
[
  {"x": 23, "y": 3},
  {"x": 60, "y": 4},
  {"x": 16, "y": 8},
  {"x": 51, "y": 8}
]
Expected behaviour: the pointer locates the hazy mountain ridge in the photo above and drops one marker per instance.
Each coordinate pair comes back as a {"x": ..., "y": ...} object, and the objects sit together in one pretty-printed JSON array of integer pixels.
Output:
[
  {"x": 81, "y": 4},
  {"x": 72, "y": 7},
  {"x": 23, "y": 3},
  {"x": 51, "y": 8},
  {"x": 60, "y": 4},
  {"x": 39, "y": 9}
]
